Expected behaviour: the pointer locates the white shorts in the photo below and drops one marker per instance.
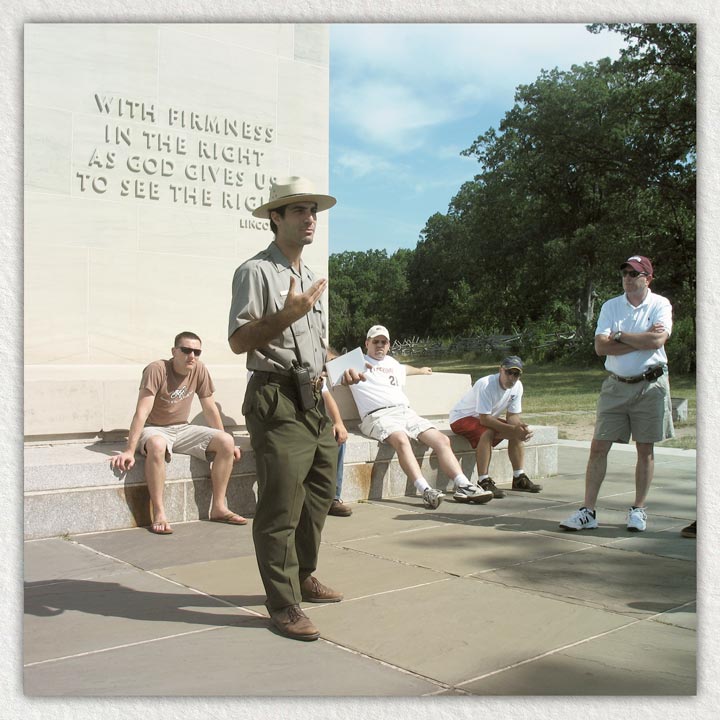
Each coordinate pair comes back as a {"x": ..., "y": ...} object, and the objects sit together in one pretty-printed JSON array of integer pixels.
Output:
[
  {"x": 185, "y": 439},
  {"x": 380, "y": 424}
]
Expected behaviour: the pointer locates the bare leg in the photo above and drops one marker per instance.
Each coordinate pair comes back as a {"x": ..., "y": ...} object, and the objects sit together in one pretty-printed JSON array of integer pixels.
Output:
[
  {"x": 223, "y": 446},
  {"x": 406, "y": 457},
  {"x": 155, "y": 478},
  {"x": 644, "y": 471},
  {"x": 483, "y": 452},
  {"x": 516, "y": 454},
  {"x": 439, "y": 443},
  {"x": 595, "y": 472}
]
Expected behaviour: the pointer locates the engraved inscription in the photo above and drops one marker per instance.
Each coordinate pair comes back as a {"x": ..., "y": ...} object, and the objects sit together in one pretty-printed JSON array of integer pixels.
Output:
[{"x": 177, "y": 155}]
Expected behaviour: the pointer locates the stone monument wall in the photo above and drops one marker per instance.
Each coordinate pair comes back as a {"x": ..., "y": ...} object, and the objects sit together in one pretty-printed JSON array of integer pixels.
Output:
[{"x": 146, "y": 149}]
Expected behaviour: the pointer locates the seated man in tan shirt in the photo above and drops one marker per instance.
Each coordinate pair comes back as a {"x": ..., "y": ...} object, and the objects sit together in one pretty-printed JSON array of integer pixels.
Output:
[{"x": 160, "y": 426}]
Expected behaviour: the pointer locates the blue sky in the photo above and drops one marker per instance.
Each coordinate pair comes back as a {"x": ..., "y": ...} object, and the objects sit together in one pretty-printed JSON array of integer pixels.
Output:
[{"x": 406, "y": 99}]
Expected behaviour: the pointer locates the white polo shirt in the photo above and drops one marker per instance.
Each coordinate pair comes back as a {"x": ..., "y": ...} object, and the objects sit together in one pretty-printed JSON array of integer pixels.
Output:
[
  {"x": 488, "y": 397},
  {"x": 619, "y": 314}
]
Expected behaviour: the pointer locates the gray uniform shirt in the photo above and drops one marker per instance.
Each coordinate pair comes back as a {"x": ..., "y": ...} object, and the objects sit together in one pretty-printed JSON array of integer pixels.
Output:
[{"x": 260, "y": 286}]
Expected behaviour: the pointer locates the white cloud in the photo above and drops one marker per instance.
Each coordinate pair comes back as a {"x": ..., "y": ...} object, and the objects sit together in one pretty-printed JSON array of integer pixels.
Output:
[
  {"x": 392, "y": 84},
  {"x": 387, "y": 113},
  {"x": 359, "y": 164}
]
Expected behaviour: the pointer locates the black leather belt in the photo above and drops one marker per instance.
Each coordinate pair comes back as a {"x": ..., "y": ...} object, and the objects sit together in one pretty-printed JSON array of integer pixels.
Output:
[
  {"x": 384, "y": 407},
  {"x": 649, "y": 375},
  {"x": 285, "y": 380}
]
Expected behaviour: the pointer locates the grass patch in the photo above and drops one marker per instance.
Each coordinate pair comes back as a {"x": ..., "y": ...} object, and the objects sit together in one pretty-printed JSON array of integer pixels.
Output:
[{"x": 566, "y": 396}]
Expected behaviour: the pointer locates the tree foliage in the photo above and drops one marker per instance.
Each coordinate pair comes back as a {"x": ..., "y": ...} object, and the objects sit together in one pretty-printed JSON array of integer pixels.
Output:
[{"x": 589, "y": 166}]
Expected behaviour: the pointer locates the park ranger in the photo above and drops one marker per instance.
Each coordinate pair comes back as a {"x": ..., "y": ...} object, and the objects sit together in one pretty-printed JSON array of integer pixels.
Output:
[{"x": 277, "y": 318}]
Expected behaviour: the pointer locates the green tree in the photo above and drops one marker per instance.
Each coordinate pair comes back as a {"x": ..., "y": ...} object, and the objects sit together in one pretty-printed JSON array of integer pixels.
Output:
[
  {"x": 365, "y": 288},
  {"x": 589, "y": 166}
]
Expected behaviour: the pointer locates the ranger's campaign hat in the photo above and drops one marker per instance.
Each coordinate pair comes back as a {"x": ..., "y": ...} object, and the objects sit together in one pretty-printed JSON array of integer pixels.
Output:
[{"x": 293, "y": 190}]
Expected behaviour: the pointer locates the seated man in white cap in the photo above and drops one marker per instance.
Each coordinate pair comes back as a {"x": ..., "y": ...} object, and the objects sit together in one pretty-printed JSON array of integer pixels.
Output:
[
  {"x": 477, "y": 417},
  {"x": 386, "y": 416}
]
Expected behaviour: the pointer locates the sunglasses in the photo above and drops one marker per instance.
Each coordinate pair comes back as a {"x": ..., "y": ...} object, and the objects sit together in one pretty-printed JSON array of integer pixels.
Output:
[
  {"x": 514, "y": 373},
  {"x": 633, "y": 273},
  {"x": 187, "y": 350}
]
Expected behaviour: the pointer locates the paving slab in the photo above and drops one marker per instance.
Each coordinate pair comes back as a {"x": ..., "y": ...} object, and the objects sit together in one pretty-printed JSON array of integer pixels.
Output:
[
  {"x": 452, "y": 511},
  {"x": 605, "y": 665},
  {"x": 49, "y": 560},
  {"x": 425, "y": 630},
  {"x": 684, "y": 617},
  {"x": 355, "y": 574},
  {"x": 464, "y": 600},
  {"x": 242, "y": 661},
  {"x": 462, "y": 549},
  {"x": 611, "y": 531},
  {"x": 66, "y": 617},
  {"x": 376, "y": 519},
  {"x": 189, "y": 542},
  {"x": 625, "y": 582}
]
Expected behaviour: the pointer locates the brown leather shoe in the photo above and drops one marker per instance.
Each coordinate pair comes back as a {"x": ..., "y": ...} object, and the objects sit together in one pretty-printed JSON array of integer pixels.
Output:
[
  {"x": 293, "y": 623},
  {"x": 314, "y": 591},
  {"x": 340, "y": 509}
]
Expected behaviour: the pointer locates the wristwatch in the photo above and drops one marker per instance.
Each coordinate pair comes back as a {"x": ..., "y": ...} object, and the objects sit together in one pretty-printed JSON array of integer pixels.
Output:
[{"x": 617, "y": 336}]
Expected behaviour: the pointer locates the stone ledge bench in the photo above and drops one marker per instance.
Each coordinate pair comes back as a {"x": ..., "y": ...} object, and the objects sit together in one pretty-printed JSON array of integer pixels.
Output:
[{"x": 70, "y": 487}]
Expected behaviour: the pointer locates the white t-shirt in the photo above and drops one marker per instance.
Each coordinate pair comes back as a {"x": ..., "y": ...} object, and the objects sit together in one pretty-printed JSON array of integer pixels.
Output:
[
  {"x": 487, "y": 397},
  {"x": 382, "y": 386},
  {"x": 618, "y": 314}
]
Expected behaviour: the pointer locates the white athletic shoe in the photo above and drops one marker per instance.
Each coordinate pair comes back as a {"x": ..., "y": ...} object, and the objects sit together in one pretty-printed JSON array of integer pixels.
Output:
[
  {"x": 582, "y": 519},
  {"x": 472, "y": 493},
  {"x": 432, "y": 498},
  {"x": 636, "y": 520}
]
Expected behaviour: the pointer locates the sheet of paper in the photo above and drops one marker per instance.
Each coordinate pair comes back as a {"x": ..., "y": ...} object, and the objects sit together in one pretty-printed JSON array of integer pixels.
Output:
[{"x": 351, "y": 360}]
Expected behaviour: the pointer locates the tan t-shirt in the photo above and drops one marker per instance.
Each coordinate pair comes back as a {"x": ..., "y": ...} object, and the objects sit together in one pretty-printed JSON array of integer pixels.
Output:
[{"x": 173, "y": 392}]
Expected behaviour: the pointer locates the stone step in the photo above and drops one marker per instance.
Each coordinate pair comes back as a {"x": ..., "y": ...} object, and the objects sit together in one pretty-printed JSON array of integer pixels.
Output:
[{"x": 70, "y": 487}]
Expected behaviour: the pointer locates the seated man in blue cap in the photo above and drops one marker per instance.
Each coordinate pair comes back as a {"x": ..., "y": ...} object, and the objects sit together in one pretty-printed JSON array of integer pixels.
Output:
[{"x": 477, "y": 417}]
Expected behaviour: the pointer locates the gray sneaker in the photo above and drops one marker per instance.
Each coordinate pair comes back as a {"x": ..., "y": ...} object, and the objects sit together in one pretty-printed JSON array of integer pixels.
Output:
[
  {"x": 432, "y": 498},
  {"x": 472, "y": 493}
]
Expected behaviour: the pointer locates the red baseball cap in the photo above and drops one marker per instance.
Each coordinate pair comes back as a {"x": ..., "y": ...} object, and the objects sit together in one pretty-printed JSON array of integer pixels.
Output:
[{"x": 639, "y": 263}]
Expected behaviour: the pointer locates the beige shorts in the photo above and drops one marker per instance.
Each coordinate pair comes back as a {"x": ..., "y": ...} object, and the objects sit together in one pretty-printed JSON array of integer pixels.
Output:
[
  {"x": 384, "y": 422},
  {"x": 643, "y": 410},
  {"x": 185, "y": 439}
]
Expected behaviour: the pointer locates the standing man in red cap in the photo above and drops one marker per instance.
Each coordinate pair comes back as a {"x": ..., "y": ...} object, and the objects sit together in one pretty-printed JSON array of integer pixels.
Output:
[
  {"x": 278, "y": 319},
  {"x": 635, "y": 398}
]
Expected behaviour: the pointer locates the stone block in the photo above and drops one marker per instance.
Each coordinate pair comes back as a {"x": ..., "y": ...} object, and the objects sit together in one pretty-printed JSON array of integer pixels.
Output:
[
  {"x": 70, "y": 487},
  {"x": 679, "y": 409}
]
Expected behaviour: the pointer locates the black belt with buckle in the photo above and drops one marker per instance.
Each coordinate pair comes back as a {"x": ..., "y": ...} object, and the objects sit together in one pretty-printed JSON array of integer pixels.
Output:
[
  {"x": 384, "y": 407},
  {"x": 649, "y": 375},
  {"x": 280, "y": 379}
]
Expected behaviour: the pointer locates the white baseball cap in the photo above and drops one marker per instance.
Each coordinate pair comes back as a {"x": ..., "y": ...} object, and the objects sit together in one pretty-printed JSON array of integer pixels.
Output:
[{"x": 376, "y": 330}]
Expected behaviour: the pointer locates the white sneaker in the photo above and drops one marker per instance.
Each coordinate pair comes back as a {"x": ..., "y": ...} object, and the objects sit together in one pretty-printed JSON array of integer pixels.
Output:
[
  {"x": 636, "y": 520},
  {"x": 432, "y": 498},
  {"x": 472, "y": 493},
  {"x": 582, "y": 519}
]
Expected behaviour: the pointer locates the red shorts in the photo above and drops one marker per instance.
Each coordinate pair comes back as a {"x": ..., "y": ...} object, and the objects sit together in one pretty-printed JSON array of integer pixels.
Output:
[{"x": 471, "y": 429}]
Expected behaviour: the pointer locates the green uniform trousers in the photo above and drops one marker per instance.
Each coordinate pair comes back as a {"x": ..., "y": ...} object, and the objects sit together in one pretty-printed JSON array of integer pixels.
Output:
[{"x": 296, "y": 459}]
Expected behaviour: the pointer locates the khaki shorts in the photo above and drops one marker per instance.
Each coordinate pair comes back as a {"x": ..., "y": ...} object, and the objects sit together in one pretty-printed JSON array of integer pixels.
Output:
[
  {"x": 185, "y": 439},
  {"x": 642, "y": 409},
  {"x": 384, "y": 422}
]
